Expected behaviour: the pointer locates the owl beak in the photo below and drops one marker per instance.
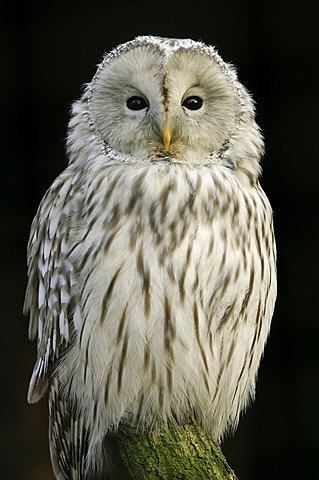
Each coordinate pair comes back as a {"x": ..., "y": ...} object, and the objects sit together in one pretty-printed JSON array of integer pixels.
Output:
[{"x": 167, "y": 135}]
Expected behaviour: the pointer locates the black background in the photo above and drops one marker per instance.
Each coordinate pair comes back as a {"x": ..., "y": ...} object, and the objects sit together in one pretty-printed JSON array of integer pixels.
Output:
[{"x": 48, "y": 50}]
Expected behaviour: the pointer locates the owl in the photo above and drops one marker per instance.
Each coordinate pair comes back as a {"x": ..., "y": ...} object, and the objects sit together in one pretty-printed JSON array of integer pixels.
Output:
[{"x": 151, "y": 259}]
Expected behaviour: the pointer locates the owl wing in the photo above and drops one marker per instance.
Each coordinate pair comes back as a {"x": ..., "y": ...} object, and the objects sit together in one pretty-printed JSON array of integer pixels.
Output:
[{"x": 51, "y": 292}]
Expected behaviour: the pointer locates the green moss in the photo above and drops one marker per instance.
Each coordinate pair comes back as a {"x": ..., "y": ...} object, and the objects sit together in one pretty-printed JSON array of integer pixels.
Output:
[{"x": 182, "y": 452}]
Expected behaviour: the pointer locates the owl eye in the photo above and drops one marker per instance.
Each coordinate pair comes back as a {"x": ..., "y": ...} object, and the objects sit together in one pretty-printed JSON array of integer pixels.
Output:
[
  {"x": 192, "y": 103},
  {"x": 136, "y": 103}
]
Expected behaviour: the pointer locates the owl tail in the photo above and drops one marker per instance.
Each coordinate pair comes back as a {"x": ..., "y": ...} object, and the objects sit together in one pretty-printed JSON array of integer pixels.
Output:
[
  {"x": 72, "y": 455},
  {"x": 68, "y": 439}
]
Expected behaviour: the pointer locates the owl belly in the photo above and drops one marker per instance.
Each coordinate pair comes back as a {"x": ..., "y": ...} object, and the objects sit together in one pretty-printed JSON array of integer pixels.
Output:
[
  {"x": 140, "y": 343},
  {"x": 165, "y": 336},
  {"x": 176, "y": 311}
]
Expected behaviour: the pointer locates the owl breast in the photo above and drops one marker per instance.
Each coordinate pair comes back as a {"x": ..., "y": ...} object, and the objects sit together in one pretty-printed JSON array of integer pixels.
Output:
[{"x": 175, "y": 281}]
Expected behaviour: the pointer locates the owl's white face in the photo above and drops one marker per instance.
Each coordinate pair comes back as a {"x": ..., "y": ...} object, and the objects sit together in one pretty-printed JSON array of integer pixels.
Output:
[{"x": 151, "y": 104}]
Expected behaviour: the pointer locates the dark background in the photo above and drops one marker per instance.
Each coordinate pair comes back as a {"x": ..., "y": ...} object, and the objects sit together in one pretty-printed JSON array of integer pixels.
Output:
[{"x": 48, "y": 50}]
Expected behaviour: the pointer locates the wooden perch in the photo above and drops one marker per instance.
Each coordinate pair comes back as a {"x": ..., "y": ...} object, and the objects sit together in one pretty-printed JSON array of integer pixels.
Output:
[{"x": 181, "y": 453}]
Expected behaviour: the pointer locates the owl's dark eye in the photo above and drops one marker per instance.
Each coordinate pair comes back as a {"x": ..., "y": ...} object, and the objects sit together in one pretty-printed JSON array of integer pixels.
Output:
[
  {"x": 193, "y": 103},
  {"x": 136, "y": 103}
]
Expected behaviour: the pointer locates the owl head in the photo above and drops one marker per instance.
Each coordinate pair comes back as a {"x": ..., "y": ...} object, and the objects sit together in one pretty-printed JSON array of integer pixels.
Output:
[{"x": 166, "y": 100}]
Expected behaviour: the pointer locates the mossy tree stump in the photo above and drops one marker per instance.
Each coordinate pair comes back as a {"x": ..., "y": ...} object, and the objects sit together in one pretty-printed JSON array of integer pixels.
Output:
[{"x": 182, "y": 452}]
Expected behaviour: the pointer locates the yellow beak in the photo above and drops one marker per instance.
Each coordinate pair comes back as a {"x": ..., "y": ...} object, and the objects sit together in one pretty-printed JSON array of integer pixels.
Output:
[{"x": 167, "y": 135}]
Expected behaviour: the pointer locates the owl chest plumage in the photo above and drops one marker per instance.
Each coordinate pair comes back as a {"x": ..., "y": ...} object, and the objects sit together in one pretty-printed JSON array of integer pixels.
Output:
[{"x": 163, "y": 284}]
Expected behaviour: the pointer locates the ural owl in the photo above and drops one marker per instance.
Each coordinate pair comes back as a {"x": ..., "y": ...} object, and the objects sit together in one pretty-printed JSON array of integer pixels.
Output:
[{"x": 152, "y": 276}]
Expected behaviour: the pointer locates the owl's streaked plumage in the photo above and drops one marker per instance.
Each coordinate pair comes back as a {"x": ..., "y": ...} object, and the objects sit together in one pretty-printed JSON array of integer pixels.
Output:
[{"x": 152, "y": 275}]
